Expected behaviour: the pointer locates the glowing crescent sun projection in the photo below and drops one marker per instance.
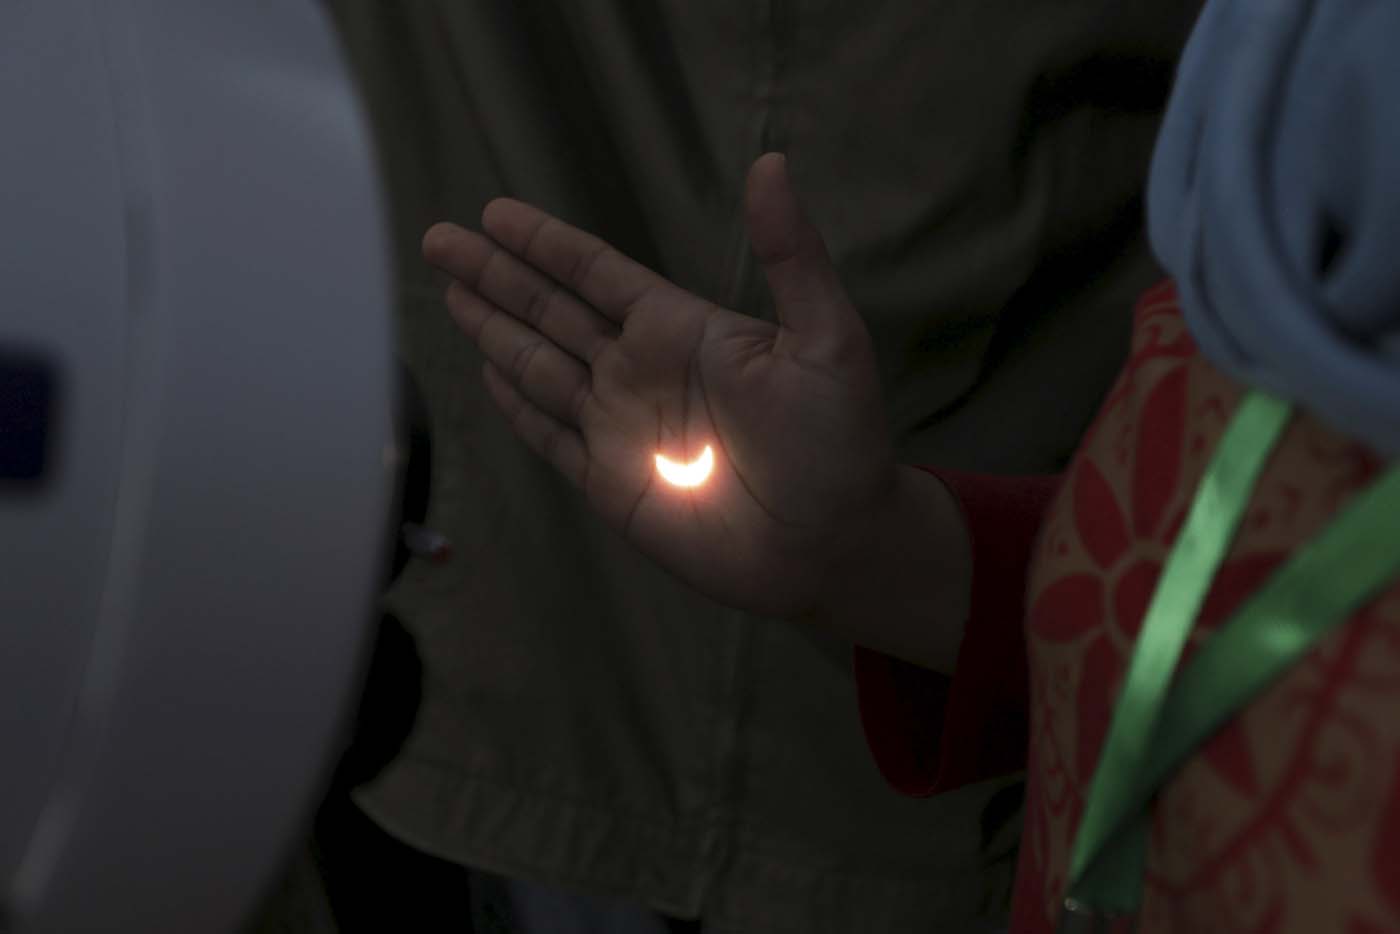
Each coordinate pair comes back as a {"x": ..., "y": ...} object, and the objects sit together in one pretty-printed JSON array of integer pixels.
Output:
[{"x": 692, "y": 474}]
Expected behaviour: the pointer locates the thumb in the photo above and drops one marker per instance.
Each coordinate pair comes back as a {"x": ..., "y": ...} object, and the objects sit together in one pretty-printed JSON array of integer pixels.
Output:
[{"x": 810, "y": 300}]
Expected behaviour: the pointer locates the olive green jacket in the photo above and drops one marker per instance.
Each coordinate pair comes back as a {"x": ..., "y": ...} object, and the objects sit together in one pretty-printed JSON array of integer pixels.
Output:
[{"x": 976, "y": 167}]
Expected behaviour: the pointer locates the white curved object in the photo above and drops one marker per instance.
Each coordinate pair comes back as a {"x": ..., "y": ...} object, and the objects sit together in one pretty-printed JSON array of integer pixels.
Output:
[
  {"x": 687, "y": 473},
  {"x": 194, "y": 264}
]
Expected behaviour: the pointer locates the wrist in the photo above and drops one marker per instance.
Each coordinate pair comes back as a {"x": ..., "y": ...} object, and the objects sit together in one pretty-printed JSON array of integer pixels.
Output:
[{"x": 905, "y": 587}]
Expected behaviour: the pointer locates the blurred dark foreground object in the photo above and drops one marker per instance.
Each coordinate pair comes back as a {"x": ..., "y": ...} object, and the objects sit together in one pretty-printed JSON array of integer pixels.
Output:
[{"x": 352, "y": 876}]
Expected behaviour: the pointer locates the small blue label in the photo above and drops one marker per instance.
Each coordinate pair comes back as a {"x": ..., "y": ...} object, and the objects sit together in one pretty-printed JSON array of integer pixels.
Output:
[{"x": 27, "y": 387}]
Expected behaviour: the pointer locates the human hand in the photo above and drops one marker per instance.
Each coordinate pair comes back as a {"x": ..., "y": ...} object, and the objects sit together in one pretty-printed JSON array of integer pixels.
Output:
[{"x": 600, "y": 364}]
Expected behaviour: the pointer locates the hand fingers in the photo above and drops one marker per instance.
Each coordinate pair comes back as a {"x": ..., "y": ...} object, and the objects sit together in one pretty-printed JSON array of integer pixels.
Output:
[
  {"x": 513, "y": 286},
  {"x": 593, "y": 270},
  {"x": 550, "y": 378},
  {"x": 811, "y": 303},
  {"x": 559, "y": 445}
]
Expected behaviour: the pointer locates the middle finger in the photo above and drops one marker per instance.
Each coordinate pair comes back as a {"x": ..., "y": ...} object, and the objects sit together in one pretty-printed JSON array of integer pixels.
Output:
[
  {"x": 551, "y": 379},
  {"x": 514, "y": 286}
]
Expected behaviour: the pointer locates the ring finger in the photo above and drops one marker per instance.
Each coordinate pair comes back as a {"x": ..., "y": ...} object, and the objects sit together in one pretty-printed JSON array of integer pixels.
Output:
[{"x": 547, "y": 376}]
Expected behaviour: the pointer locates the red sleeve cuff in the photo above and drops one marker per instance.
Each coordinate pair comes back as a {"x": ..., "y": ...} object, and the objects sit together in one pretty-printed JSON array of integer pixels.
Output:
[{"x": 929, "y": 733}]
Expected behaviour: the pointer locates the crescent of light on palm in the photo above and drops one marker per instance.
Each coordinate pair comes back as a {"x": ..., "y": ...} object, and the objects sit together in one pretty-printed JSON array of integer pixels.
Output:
[{"x": 686, "y": 474}]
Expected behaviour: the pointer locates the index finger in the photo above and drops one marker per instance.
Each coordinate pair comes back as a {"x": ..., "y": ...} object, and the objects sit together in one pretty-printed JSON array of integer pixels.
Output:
[{"x": 591, "y": 268}]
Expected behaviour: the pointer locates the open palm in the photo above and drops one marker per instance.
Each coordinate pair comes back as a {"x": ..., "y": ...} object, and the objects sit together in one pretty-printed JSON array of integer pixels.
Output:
[{"x": 601, "y": 365}]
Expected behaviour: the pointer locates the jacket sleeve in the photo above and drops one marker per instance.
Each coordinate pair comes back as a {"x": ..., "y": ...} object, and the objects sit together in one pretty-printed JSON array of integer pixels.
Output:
[{"x": 930, "y": 733}]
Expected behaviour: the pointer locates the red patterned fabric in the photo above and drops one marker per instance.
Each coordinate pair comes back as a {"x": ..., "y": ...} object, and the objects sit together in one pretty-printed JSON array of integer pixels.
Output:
[{"x": 1288, "y": 820}]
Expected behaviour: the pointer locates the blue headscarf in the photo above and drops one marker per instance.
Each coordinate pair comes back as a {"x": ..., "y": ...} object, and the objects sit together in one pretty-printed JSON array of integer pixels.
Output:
[{"x": 1274, "y": 201}]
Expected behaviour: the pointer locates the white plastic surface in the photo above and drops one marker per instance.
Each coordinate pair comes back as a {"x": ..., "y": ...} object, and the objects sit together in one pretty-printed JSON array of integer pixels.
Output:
[{"x": 191, "y": 227}]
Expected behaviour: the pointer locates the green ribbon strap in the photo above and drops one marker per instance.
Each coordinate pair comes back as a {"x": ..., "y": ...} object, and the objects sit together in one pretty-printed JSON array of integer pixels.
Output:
[
  {"x": 1224, "y": 491},
  {"x": 1321, "y": 586}
]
